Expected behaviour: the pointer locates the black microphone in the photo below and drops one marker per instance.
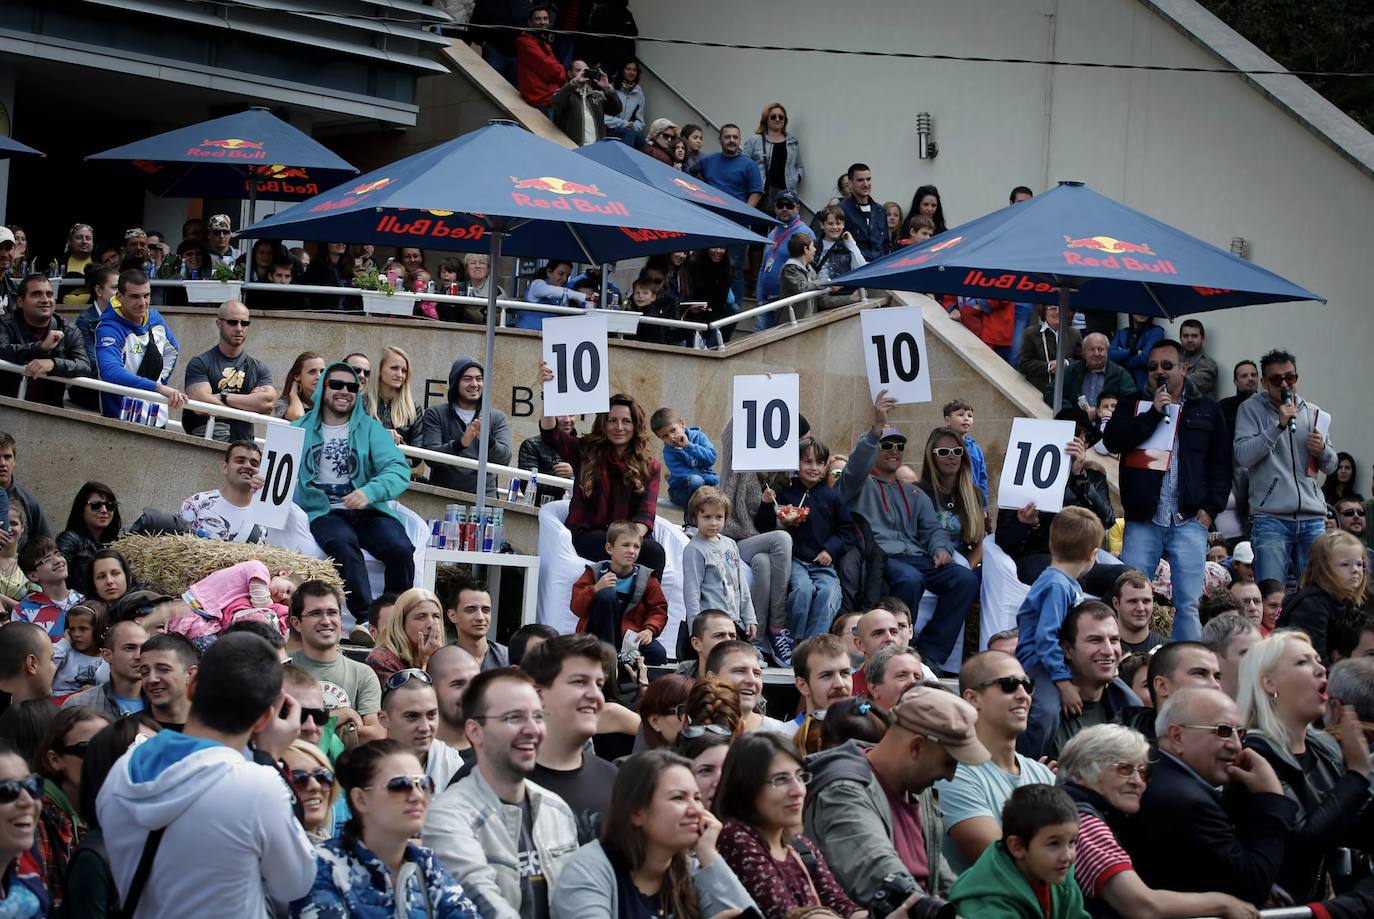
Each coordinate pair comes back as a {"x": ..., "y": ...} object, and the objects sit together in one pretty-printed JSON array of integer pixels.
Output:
[
  {"x": 1288, "y": 400},
  {"x": 1160, "y": 381}
]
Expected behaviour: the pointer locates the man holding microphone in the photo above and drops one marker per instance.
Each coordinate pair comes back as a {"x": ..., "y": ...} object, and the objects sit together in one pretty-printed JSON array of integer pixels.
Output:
[
  {"x": 1175, "y": 477},
  {"x": 1281, "y": 443}
]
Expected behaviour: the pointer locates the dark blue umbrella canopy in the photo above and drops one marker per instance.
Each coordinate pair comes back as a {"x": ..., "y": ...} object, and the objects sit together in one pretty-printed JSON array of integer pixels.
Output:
[
  {"x": 551, "y": 203},
  {"x": 225, "y": 157},
  {"x": 1108, "y": 256},
  {"x": 10, "y": 147},
  {"x": 624, "y": 159}
]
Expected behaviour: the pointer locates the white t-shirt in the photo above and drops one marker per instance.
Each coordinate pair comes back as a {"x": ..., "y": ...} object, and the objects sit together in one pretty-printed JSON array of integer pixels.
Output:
[
  {"x": 336, "y": 464},
  {"x": 75, "y": 670},
  {"x": 212, "y": 516}
]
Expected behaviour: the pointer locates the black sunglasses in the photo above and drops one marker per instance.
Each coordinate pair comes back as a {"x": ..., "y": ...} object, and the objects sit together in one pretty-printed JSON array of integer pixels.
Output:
[
  {"x": 350, "y": 385},
  {"x": 1166, "y": 366},
  {"x": 1278, "y": 379},
  {"x": 102, "y": 505},
  {"x": 361, "y": 371},
  {"x": 318, "y": 715},
  {"x": 77, "y": 749},
  {"x": 1352, "y": 512},
  {"x": 1009, "y": 684},
  {"x": 402, "y": 677},
  {"x": 243, "y": 322},
  {"x": 402, "y": 784},
  {"x": 10, "y": 788},
  {"x": 320, "y": 774}
]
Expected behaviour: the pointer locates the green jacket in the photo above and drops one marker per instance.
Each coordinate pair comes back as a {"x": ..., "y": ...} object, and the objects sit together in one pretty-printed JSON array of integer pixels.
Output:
[
  {"x": 380, "y": 469},
  {"x": 1118, "y": 380},
  {"x": 994, "y": 888}
]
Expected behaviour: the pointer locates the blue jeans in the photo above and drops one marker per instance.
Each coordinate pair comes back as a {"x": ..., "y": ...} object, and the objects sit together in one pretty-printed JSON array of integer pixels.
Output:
[
  {"x": 910, "y": 576},
  {"x": 627, "y": 135},
  {"x": 813, "y": 598},
  {"x": 605, "y": 621},
  {"x": 738, "y": 255},
  {"x": 343, "y": 534},
  {"x": 1281, "y": 543},
  {"x": 1024, "y": 311},
  {"x": 680, "y": 491},
  {"x": 502, "y": 63},
  {"x": 1185, "y": 546}
]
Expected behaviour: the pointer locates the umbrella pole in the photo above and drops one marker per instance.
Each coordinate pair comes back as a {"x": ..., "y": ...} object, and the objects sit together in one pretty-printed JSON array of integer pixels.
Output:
[
  {"x": 1065, "y": 319},
  {"x": 601, "y": 302},
  {"x": 495, "y": 255}
]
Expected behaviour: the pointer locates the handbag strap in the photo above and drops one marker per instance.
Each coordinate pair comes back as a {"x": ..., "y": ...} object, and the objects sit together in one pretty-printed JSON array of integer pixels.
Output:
[{"x": 145, "y": 868}]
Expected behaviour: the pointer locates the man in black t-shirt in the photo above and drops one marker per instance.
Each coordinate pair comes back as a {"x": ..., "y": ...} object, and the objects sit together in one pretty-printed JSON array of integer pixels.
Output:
[{"x": 229, "y": 375}]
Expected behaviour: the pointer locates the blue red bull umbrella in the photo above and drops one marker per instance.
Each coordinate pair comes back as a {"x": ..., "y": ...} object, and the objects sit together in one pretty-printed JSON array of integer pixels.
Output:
[
  {"x": 625, "y": 159},
  {"x": 10, "y": 147},
  {"x": 1083, "y": 251},
  {"x": 251, "y": 154},
  {"x": 500, "y": 190}
]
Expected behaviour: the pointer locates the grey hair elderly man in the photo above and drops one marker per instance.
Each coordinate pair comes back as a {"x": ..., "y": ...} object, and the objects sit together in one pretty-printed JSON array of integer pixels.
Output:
[{"x": 1086, "y": 379}]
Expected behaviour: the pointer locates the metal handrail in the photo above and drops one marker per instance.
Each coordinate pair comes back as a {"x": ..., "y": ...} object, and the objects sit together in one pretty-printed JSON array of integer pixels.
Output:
[{"x": 787, "y": 302}]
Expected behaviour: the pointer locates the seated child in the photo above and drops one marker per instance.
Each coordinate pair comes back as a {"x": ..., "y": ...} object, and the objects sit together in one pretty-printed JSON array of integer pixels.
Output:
[
  {"x": 1075, "y": 535},
  {"x": 45, "y": 566},
  {"x": 219, "y": 599},
  {"x": 821, "y": 532},
  {"x": 77, "y": 656},
  {"x": 959, "y": 416},
  {"x": 618, "y": 597},
  {"x": 712, "y": 572},
  {"x": 1029, "y": 873},
  {"x": 799, "y": 276},
  {"x": 687, "y": 452}
]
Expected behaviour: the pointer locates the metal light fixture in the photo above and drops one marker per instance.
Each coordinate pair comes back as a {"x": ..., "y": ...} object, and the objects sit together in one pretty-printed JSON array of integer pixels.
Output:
[
  {"x": 1238, "y": 246},
  {"x": 926, "y": 148}
]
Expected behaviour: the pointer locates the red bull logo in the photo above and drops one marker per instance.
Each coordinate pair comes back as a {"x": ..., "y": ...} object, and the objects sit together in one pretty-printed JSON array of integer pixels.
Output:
[
  {"x": 648, "y": 236},
  {"x": 276, "y": 180},
  {"x": 430, "y": 228},
  {"x": 230, "y": 148},
  {"x": 1007, "y": 280},
  {"x": 697, "y": 193},
  {"x": 351, "y": 197},
  {"x": 570, "y": 196},
  {"x": 1111, "y": 248},
  {"x": 947, "y": 244},
  {"x": 369, "y": 187},
  {"x": 147, "y": 166},
  {"x": 280, "y": 172}
]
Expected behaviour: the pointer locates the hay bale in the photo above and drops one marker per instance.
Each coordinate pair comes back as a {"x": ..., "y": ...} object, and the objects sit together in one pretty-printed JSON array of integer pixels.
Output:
[{"x": 170, "y": 564}]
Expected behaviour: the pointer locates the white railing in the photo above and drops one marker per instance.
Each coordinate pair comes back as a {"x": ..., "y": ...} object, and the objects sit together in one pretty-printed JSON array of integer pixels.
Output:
[
  {"x": 788, "y": 303},
  {"x": 1283, "y": 912},
  {"x": 213, "y": 411}
]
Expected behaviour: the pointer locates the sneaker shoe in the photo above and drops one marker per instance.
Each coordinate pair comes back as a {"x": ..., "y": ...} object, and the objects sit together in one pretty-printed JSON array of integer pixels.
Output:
[{"x": 780, "y": 642}]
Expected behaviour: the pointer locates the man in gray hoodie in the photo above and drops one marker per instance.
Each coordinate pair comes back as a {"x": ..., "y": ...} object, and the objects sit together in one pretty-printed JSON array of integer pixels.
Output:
[
  {"x": 919, "y": 554},
  {"x": 1281, "y": 450},
  {"x": 455, "y": 427}
]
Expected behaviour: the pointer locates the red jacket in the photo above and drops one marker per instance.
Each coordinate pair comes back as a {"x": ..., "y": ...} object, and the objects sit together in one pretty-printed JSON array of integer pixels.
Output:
[
  {"x": 540, "y": 73},
  {"x": 648, "y": 607}
]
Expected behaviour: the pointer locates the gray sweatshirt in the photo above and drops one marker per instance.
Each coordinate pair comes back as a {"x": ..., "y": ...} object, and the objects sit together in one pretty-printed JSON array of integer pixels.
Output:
[
  {"x": 901, "y": 516},
  {"x": 587, "y": 888},
  {"x": 1276, "y": 459},
  {"x": 712, "y": 578}
]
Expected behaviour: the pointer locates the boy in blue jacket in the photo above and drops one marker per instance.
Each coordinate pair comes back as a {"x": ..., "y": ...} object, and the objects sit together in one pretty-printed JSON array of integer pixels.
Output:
[
  {"x": 824, "y": 535},
  {"x": 687, "y": 452}
]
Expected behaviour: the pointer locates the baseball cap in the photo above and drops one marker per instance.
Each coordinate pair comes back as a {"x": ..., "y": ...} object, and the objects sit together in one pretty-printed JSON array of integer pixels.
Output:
[
  {"x": 1243, "y": 553},
  {"x": 6, "y": 236},
  {"x": 945, "y": 718},
  {"x": 891, "y": 432},
  {"x": 135, "y": 233},
  {"x": 660, "y": 125},
  {"x": 220, "y": 222},
  {"x": 787, "y": 197}
]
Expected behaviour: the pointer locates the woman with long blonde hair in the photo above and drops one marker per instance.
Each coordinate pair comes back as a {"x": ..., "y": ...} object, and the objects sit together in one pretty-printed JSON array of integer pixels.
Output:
[
  {"x": 1332, "y": 588},
  {"x": 947, "y": 477},
  {"x": 388, "y": 397},
  {"x": 615, "y": 477},
  {"x": 412, "y": 634}
]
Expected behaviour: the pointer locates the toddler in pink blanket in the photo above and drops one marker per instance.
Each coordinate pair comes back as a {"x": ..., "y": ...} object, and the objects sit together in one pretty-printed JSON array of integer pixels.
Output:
[{"x": 243, "y": 591}]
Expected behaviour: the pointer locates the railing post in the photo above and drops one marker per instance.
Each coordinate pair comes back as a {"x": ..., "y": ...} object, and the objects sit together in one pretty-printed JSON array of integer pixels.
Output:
[
  {"x": 720, "y": 338},
  {"x": 209, "y": 427},
  {"x": 23, "y": 387},
  {"x": 791, "y": 314}
]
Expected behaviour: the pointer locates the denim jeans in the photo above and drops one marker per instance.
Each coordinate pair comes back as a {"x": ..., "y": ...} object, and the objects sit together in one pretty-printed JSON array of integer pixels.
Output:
[
  {"x": 1185, "y": 546},
  {"x": 344, "y": 534},
  {"x": 910, "y": 576},
  {"x": 1024, "y": 311},
  {"x": 502, "y": 63},
  {"x": 680, "y": 491},
  {"x": 813, "y": 598},
  {"x": 605, "y": 621},
  {"x": 738, "y": 255},
  {"x": 1281, "y": 545}
]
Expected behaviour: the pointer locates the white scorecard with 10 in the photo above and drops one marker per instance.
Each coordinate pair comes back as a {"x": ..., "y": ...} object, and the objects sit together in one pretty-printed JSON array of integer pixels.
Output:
[
  {"x": 765, "y": 422},
  {"x": 576, "y": 351},
  {"x": 1036, "y": 467}
]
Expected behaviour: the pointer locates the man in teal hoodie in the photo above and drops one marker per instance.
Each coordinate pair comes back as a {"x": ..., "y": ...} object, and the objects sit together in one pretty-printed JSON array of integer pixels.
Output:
[{"x": 350, "y": 469}]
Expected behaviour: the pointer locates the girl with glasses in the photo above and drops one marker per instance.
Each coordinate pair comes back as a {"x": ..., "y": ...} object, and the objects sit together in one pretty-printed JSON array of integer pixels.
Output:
[
  {"x": 762, "y": 791},
  {"x": 657, "y": 852},
  {"x": 1332, "y": 588},
  {"x": 1282, "y": 697},
  {"x": 372, "y": 868},
  {"x": 1104, "y": 769},
  {"x": 59, "y": 759},
  {"x": 312, "y": 781},
  {"x": 947, "y": 477},
  {"x": 92, "y": 525}
]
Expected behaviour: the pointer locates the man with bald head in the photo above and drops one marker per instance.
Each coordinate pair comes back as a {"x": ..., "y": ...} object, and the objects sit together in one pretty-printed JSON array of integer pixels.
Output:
[
  {"x": 1186, "y": 835},
  {"x": 875, "y": 629},
  {"x": 452, "y": 669},
  {"x": 227, "y": 374},
  {"x": 1086, "y": 379}
]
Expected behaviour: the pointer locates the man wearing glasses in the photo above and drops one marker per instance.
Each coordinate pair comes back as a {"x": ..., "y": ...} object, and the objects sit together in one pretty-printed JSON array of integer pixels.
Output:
[
  {"x": 221, "y": 252},
  {"x": 1281, "y": 444},
  {"x": 919, "y": 554},
  {"x": 350, "y": 688},
  {"x": 501, "y": 836},
  {"x": 350, "y": 469},
  {"x": 1186, "y": 837},
  {"x": 229, "y": 375},
  {"x": 1175, "y": 477}
]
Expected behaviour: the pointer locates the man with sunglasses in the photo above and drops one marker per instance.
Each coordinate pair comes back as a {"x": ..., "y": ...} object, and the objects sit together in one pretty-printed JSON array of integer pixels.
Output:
[
  {"x": 500, "y": 835},
  {"x": 1189, "y": 834},
  {"x": 996, "y": 686},
  {"x": 788, "y": 213},
  {"x": 1170, "y": 498},
  {"x": 229, "y": 375},
  {"x": 919, "y": 554},
  {"x": 410, "y": 714},
  {"x": 303, "y": 686},
  {"x": 1279, "y": 446},
  {"x": 350, "y": 469},
  {"x": 222, "y": 252}
]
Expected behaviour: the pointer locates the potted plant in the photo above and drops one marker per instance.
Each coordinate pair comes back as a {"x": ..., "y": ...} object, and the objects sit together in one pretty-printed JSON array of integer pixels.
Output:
[
  {"x": 380, "y": 298},
  {"x": 225, "y": 283}
]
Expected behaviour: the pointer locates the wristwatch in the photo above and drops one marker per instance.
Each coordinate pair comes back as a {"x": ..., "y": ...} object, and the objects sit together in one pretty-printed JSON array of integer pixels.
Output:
[{"x": 223, "y": 398}]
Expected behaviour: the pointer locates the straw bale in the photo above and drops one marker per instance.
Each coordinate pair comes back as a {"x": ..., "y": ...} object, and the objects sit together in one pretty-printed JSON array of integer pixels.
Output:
[{"x": 170, "y": 564}]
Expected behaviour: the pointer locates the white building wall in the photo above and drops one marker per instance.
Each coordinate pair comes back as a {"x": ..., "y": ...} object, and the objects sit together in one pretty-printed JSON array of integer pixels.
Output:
[{"x": 1206, "y": 152}]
